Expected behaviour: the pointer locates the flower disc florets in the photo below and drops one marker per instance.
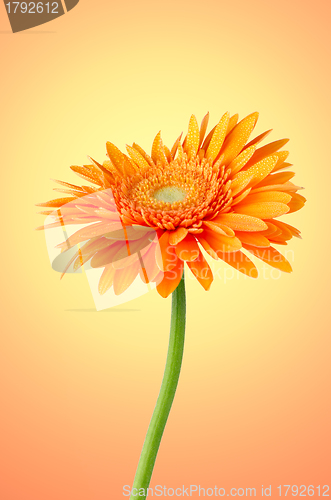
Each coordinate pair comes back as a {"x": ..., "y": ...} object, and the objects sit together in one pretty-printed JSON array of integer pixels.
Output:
[{"x": 179, "y": 194}]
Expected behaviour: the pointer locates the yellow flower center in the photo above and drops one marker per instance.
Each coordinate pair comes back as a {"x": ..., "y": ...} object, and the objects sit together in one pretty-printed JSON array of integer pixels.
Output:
[
  {"x": 180, "y": 193},
  {"x": 170, "y": 194}
]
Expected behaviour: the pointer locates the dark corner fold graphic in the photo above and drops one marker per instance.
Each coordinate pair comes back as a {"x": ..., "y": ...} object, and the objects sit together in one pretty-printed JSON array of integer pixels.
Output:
[
  {"x": 25, "y": 15},
  {"x": 70, "y": 4}
]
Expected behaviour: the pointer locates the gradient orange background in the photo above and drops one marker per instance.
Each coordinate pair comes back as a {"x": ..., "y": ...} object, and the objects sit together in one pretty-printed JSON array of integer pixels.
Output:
[{"x": 78, "y": 387}]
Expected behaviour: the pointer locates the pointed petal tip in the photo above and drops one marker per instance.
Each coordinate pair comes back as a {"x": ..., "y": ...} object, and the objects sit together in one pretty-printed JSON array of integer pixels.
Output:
[
  {"x": 253, "y": 273},
  {"x": 162, "y": 292},
  {"x": 94, "y": 161},
  {"x": 255, "y": 114}
]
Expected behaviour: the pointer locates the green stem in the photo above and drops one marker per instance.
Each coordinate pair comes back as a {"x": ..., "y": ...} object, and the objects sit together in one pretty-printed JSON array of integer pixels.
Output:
[{"x": 166, "y": 395}]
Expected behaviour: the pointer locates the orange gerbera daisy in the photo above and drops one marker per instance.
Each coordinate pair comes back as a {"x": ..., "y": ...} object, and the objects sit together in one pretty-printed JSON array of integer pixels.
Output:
[{"x": 219, "y": 194}]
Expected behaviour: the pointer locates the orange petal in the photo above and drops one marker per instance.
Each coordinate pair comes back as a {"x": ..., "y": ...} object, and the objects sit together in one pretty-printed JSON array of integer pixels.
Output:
[
  {"x": 272, "y": 229},
  {"x": 188, "y": 249},
  {"x": 241, "y": 222},
  {"x": 99, "y": 166},
  {"x": 193, "y": 138},
  {"x": 110, "y": 167},
  {"x": 165, "y": 256},
  {"x": 167, "y": 152},
  {"x": 261, "y": 169},
  {"x": 282, "y": 155},
  {"x": 201, "y": 270},
  {"x": 208, "y": 139},
  {"x": 272, "y": 257},
  {"x": 106, "y": 255},
  {"x": 263, "y": 210},
  {"x": 180, "y": 153},
  {"x": 55, "y": 203},
  {"x": 129, "y": 166},
  {"x": 268, "y": 196},
  {"x": 205, "y": 245},
  {"x": 143, "y": 153},
  {"x": 280, "y": 178},
  {"x": 287, "y": 187},
  {"x": 267, "y": 150},
  {"x": 158, "y": 153},
  {"x": 217, "y": 138},
  {"x": 124, "y": 277},
  {"x": 195, "y": 230},
  {"x": 171, "y": 279},
  {"x": 66, "y": 184},
  {"x": 241, "y": 262},
  {"x": 240, "y": 181},
  {"x": 149, "y": 268},
  {"x": 203, "y": 128},
  {"x": 258, "y": 139},
  {"x": 218, "y": 227},
  {"x": 175, "y": 147},
  {"x": 120, "y": 263},
  {"x": 232, "y": 123},
  {"x": 282, "y": 165},
  {"x": 73, "y": 192},
  {"x": 95, "y": 245},
  {"x": 240, "y": 161},
  {"x": 255, "y": 239},
  {"x": 236, "y": 140},
  {"x": 137, "y": 158},
  {"x": 297, "y": 202},
  {"x": 220, "y": 243},
  {"x": 286, "y": 228},
  {"x": 106, "y": 279},
  {"x": 88, "y": 174},
  {"x": 116, "y": 156},
  {"x": 237, "y": 199},
  {"x": 177, "y": 235},
  {"x": 45, "y": 212},
  {"x": 279, "y": 240},
  {"x": 88, "y": 232}
]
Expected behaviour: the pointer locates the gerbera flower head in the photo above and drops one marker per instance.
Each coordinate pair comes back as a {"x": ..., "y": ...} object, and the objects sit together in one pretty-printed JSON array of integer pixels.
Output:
[{"x": 217, "y": 194}]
